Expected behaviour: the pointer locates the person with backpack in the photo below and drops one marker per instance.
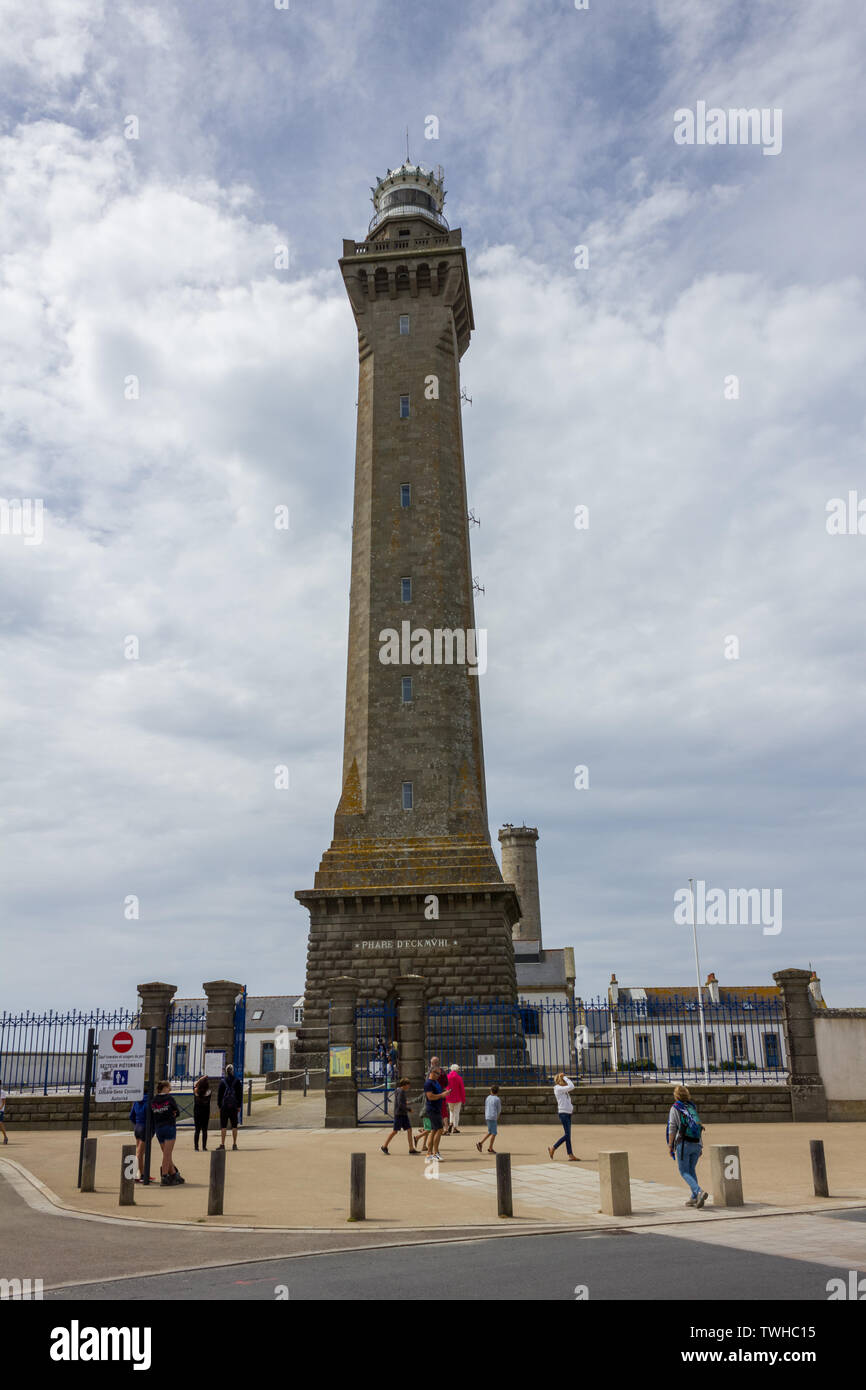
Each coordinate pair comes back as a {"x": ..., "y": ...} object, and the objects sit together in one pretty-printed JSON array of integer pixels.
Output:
[
  {"x": 201, "y": 1111},
  {"x": 164, "y": 1110},
  {"x": 229, "y": 1099},
  {"x": 138, "y": 1120},
  {"x": 685, "y": 1144}
]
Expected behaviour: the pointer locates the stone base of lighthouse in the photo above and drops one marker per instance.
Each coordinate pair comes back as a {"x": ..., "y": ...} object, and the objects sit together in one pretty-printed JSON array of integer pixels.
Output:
[{"x": 454, "y": 943}]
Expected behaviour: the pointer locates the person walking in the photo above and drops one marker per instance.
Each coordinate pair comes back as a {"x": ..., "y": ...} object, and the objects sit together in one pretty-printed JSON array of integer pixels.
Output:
[
  {"x": 562, "y": 1088},
  {"x": 435, "y": 1097},
  {"x": 457, "y": 1098},
  {"x": 164, "y": 1109},
  {"x": 683, "y": 1134},
  {"x": 201, "y": 1094},
  {"x": 425, "y": 1131},
  {"x": 401, "y": 1115},
  {"x": 229, "y": 1098},
  {"x": 3, "y": 1099},
  {"x": 138, "y": 1120},
  {"x": 492, "y": 1111},
  {"x": 442, "y": 1078}
]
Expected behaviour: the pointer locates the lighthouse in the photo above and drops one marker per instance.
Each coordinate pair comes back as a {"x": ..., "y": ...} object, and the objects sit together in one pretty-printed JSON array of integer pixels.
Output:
[{"x": 408, "y": 898}]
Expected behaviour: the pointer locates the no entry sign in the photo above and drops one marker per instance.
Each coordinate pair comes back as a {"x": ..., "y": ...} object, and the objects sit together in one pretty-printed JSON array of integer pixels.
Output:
[{"x": 120, "y": 1064}]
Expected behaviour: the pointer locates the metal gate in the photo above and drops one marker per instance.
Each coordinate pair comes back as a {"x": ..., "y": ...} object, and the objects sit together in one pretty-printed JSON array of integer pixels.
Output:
[
  {"x": 184, "y": 1043},
  {"x": 376, "y": 1060}
]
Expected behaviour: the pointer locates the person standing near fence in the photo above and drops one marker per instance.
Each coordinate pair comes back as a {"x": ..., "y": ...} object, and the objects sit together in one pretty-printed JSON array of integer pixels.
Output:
[
  {"x": 165, "y": 1111},
  {"x": 685, "y": 1143},
  {"x": 456, "y": 1099},
  {"x": 229, "y": 1099},
  {"x": 138, "y": 1120},
  {"x": 562, "y": 1088},
  {"x": 201, "y": 1111},
  {"x": 3, "y": 1100}
]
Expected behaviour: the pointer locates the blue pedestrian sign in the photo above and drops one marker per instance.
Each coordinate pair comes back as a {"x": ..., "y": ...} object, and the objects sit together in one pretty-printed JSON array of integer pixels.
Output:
[{"x": 120, "y": 1078}]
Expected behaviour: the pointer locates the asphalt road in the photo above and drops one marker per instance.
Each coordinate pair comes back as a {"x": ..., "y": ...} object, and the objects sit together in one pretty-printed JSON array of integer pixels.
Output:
[{"x": 625, "y": 1266}]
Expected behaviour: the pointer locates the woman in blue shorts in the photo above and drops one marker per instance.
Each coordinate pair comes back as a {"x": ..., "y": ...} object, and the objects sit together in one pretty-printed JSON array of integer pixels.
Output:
[{"x": 164, "y": 1109}]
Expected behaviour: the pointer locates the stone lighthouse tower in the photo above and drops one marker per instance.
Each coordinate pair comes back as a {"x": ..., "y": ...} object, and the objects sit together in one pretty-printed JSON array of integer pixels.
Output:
[
  {"x": 520, "y": 867},
  {"x": 409, "y": 896}
]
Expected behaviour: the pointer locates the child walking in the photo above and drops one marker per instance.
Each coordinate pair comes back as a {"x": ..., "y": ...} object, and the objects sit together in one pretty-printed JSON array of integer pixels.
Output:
[
  {"x": 401, "y": 1115},
  {"x": 492, "y": 1111}
]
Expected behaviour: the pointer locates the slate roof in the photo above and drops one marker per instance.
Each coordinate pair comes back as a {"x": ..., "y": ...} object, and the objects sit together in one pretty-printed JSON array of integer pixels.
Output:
[
  {"x": 548, "y": 973},
  {"x": 278, "y": 1010}
]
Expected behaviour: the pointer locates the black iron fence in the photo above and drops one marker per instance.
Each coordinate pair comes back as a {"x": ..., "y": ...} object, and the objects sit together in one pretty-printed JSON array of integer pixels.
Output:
[
  {"x": 48, "y": 1052},
  {"x": 657, "y": 1040}
]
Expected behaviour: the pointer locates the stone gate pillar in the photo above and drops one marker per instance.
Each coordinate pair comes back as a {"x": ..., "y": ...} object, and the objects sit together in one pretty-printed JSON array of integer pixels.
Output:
[
  {"x": 219, "y": 1031},
  {"x": 341, "y": 1093},
  {"x": 808, "y": 1097},
  {"x": 411, "y": 991},
  {"x": 156, "y": 1000}
]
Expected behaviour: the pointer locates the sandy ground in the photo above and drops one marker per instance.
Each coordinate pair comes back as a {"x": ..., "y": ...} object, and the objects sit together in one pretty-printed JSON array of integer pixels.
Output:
[{"x": 292, "y": 1177}]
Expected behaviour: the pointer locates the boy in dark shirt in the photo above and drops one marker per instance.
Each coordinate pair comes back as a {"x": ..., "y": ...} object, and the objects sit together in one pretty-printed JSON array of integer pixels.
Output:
[{"x": 401, "y": 1115}]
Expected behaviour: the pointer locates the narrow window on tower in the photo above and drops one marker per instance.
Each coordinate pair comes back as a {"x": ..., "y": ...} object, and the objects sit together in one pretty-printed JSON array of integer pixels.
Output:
[
  {"x": 404, "y": 407},
  {"x": 407, "y": 796},
  {"x": 404, "y": 324},
  {"x": 405, "y": 494},
  {"x": 407, "y": 690},
  {"x": 406, "y": 590}
]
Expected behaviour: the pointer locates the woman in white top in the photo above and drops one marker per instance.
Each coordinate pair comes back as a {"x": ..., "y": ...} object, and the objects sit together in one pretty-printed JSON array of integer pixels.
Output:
[{"x": 561, "y": 1088}]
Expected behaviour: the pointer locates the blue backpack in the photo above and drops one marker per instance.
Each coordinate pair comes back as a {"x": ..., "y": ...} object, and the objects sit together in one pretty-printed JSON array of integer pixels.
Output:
[
  {"x": 138, "y": 1113},
  {"x": 690, "y": 1125}
]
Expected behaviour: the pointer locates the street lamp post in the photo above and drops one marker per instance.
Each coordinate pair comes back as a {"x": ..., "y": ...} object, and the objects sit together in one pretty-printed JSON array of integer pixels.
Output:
[{"x": 698, "y": 980}]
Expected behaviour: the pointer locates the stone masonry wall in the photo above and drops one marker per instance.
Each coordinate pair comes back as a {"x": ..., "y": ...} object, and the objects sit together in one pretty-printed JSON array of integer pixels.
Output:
[
  {"x": 62, "y": 1112},
  {"x": 618, "y": 1105}
]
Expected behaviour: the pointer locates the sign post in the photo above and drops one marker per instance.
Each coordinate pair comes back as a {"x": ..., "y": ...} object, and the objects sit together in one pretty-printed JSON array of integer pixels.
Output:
[
  {"x": 85, "y": 1105},
  {"x": 148, "y": 1128},
  {"x": 120, "y": 1064}
]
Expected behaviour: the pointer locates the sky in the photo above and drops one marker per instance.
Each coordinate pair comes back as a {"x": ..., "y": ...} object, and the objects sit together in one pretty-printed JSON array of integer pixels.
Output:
[{"x": 694, "y": 379}]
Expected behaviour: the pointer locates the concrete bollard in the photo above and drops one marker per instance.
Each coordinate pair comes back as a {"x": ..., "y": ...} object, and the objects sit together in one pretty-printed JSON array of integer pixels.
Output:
[
  {"x": 504, "y": 1203},
  {"x": 358, "y": 1188},
  {"x": 725, "y": 1175},
  {"x": 217, "y": 1183},
  {"x": 819, "y": 1168},
  {"x": 614, "y": 1183},
  {"x": 88, "y": 1170},
  {"x": 127, "y": 1176}
]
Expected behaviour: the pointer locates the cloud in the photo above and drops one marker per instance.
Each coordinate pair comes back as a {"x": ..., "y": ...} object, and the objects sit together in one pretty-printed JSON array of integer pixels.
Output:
[{"x": 165, "y": 387}]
